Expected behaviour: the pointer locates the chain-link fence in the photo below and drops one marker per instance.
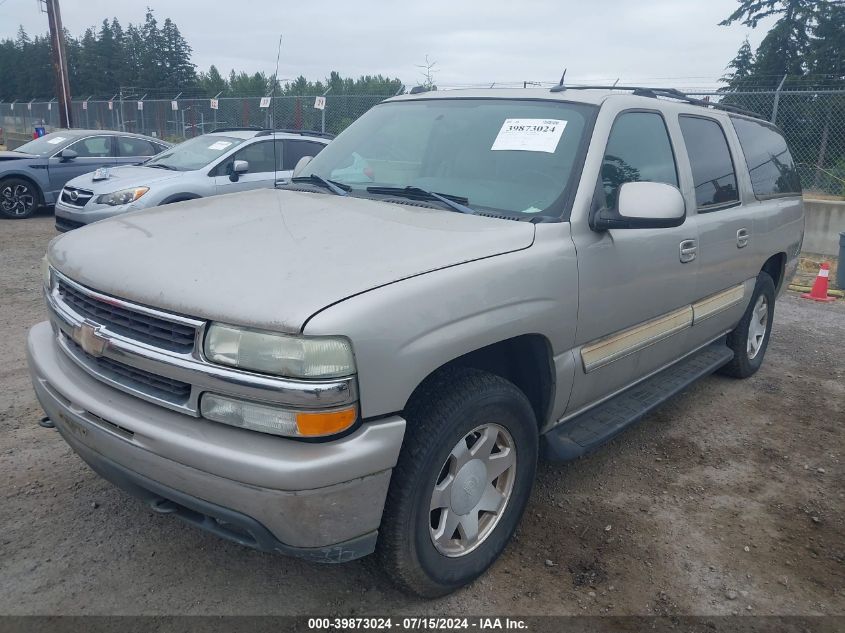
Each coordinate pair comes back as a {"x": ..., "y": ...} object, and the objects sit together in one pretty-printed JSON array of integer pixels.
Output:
[
  {"x": 179, "y": 119},
  {"x": 812, "y": 119}
]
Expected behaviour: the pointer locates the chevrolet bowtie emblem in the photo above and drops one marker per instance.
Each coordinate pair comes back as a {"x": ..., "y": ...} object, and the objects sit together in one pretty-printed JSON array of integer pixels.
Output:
[{"x": 87, "y": 336}]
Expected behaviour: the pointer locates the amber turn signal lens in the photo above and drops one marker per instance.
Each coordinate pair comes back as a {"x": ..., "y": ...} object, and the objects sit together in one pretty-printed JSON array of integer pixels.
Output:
[{"x": 325, "y": 423}]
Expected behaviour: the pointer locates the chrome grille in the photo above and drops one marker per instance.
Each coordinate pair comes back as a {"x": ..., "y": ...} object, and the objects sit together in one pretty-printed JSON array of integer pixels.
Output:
[
  {"x": 76, "y": 197},
  {"x": 154, "y": 331},
  {"x": 157, "y": 386}
]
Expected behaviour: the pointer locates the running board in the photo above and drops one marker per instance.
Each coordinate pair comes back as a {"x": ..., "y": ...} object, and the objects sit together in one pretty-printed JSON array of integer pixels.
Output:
[{"x": 594, "y": 427}]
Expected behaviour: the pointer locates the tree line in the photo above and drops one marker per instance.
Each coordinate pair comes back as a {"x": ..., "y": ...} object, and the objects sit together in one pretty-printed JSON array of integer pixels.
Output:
[{"x": 149, "y": 58}]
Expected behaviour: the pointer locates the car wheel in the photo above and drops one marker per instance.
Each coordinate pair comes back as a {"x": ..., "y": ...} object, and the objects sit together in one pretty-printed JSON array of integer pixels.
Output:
[
  {"x": 18, "y": 198},
  {"x": 750, "y": 339},
  {"x": 461, "y": 483}
]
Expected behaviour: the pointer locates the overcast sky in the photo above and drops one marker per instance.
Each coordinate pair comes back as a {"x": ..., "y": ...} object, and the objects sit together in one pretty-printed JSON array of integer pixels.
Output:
[{"x": 666, "y": 42}]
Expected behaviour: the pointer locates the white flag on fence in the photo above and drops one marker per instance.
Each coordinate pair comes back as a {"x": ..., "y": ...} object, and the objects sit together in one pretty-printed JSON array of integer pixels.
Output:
[
  {"x": 265, "y": 102},
  {"x": 174, "y": 105},
  {"x": 214, "y": 104},
  {"x": 84, "y": 105},
  {"x": 140, "y": 105},
  {"x": 49, "y": 105},
  {"x": 111, "y": 105}
]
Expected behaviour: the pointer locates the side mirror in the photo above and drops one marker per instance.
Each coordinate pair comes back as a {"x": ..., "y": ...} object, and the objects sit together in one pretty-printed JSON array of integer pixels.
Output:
[
  {"x": 301, "y": 163},
  {"x": 238, "y": 167},
  {"x": 642, "y": 205},
  {"x": 66, "y": 155}
]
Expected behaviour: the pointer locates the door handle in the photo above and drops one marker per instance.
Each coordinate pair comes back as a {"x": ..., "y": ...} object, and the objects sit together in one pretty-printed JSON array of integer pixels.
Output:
[
  {"x": 688, "y": 250},
  {"x": 742, "y": 238}
]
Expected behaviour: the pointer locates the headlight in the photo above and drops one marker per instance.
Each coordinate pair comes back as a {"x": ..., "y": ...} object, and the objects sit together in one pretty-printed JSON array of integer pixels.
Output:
[
  {"x": 46, "y": 274},
  {"x": 279, "y": 354},
  {"x": 275, "y": 420},
  {"x": 124, "y": 196}
]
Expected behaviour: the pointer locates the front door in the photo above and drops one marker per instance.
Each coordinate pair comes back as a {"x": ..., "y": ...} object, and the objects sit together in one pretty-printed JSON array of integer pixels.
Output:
[
  {"x": 261, "y": 158},
  {"x": 92, "y": 153},
  {"x": 635, "y": 285}
]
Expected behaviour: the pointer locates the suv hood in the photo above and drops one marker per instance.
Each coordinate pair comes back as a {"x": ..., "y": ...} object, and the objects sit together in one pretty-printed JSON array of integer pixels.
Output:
[
  {"x": 9, "y": 155},
  {"x": 272, "y": 258},
  {"x": 124, "y": 177}
]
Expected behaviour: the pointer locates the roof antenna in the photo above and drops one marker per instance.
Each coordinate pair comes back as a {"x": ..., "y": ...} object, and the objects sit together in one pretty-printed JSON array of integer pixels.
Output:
[
  {"x": 272, "y": 111},
  {"x": 560, "y": 87}
]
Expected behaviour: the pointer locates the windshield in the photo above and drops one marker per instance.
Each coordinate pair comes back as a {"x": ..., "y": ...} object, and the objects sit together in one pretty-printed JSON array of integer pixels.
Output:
[
  {"x": 510, "y": 156},
  {"x": 46, "y": 145},
  {"x": 195, "y": 153}
]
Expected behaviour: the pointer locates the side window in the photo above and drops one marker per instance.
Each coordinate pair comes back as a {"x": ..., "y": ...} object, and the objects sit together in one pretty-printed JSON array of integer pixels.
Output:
[
  {"x": 129, "y": 146},
  {"x": 93, "y": 146},
  {"x": 710, "y": 159},
  {"x": 259, "y": 155},
  {"x": 769, "y": 162},
  {"x": 294, "y": 150},
  {"x": 638, "y": 150}
]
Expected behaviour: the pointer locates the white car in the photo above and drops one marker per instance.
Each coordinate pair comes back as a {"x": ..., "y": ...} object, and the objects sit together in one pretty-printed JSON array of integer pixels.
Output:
[{"x": 224, "y": 161}]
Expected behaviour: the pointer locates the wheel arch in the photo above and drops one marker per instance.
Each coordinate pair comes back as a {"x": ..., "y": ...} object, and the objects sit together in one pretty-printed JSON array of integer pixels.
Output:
[
  {"x": 775, "y": 267},
  {"x": 179, "y": 197},
  {"x": 20, "y": 176},
  {"x": 525, "y": 360}
]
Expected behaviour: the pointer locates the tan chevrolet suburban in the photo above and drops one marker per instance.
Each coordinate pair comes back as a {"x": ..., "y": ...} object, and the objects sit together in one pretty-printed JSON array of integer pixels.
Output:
[{"x": 371, "y": 357}]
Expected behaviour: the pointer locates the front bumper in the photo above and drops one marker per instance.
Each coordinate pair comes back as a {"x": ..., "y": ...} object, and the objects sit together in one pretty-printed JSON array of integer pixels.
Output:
[
  {"x": 73, "y": 217},
  {"x": 322, "y": 501}
]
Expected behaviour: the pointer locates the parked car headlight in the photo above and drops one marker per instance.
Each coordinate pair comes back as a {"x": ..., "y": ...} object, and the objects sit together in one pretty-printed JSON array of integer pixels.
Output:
[
  {"x": 279, "y": 354},
  {"x": 124, "y": 196}
]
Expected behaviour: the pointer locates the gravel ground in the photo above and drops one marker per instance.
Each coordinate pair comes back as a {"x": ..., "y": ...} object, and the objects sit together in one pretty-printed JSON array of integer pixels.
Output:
[{"x": 728, "y": 499}]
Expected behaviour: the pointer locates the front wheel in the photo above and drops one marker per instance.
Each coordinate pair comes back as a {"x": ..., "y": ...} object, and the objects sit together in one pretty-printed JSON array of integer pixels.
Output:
[
  {"x": 18, "y": 198},
  {"x": 461, "y": 483},
  {"x": 750, "y": 339}
]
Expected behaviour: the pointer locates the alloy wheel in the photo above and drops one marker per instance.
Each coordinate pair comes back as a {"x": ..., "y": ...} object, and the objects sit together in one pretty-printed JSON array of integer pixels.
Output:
[
  {"x": 16, "y": 199},
  {"x": 472, "y": 490},
  {"x": 757, "y": 327}
]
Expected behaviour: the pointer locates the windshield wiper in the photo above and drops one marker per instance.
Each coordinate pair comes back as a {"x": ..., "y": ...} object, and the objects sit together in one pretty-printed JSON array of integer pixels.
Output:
[
  {"x": 456, "y": 203},
  {"x": 336, "y": 188},
  {"x": 162, "y": 166}
]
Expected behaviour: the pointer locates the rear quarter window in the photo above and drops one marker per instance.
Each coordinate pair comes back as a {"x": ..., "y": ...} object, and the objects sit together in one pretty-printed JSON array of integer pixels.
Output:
[{"x": 767, "y": 156}]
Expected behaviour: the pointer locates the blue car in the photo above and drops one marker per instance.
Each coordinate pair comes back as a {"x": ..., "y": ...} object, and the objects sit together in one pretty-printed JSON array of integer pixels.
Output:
[{"x": 33, "y": 175}]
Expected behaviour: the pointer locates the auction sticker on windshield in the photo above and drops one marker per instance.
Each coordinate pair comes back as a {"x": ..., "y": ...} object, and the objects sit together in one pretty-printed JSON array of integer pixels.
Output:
[
  {"x": 57, "y": 139},
  {"x": 529, "y": 135},
  {"x": 219, "y": 145}
]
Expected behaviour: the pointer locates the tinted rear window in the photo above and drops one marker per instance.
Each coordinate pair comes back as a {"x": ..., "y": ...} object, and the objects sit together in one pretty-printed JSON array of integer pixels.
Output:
[
  {"x": 710, "y": 160},
  {"x": 770, "y": 164}
]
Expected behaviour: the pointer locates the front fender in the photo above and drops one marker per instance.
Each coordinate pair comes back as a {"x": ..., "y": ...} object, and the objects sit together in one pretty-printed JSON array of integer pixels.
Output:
[{"x": 404, "y": 331}]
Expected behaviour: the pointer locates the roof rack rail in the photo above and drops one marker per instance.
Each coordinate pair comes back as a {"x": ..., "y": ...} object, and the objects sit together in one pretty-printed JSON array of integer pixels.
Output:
[
  {"x": 248, "y": 128},
  {"x": 267, "y": 131},
  {"x": 671, "y": 93}
]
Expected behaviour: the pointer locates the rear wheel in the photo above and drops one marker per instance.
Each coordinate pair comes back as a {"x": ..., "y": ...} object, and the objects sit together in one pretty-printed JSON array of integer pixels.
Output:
[
  {"x": 461, "y": 483},
  {"x": 750, "y": 339},
  {"x": 19, "y": 198}
]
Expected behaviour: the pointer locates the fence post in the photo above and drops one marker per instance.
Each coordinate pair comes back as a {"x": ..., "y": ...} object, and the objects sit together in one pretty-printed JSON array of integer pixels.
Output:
[{"x": 777, "y": 100}]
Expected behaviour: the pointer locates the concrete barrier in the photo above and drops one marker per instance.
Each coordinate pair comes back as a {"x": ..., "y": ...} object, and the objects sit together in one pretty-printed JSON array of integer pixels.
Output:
[{"x": 825, "y": 220}]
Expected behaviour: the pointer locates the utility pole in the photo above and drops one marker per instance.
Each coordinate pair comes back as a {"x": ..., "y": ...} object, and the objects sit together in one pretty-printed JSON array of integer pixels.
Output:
[{"x": 57, "y": 45}]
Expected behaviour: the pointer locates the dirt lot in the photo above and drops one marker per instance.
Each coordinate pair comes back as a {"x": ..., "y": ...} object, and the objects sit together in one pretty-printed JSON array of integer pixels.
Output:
[{"x": 731, "y": 498}]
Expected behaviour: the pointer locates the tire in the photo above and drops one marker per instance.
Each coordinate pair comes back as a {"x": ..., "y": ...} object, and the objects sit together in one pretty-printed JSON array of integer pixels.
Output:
[
  {"x": 19, "y": 198},
  {"x": 748, "y": 356},
  {"x": 441, "y": 417}
]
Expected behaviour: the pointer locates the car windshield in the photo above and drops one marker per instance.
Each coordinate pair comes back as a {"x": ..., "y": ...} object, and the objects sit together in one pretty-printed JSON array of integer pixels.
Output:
[
  {"x": 46, "y": 145},
  {"x": 510, "y": 156},
  {"x": 195, "y": 153}
]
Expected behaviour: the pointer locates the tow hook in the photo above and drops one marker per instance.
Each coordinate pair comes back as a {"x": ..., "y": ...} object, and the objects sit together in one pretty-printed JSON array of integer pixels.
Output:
[{"x": 46, "y": 422}]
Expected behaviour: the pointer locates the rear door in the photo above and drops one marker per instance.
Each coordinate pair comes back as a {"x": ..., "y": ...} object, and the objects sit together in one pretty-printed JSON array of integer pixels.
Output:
[
  {"x": 132, "y": 150},
  {"x": 92, "y": 152},
  {"x": 261, "y": 157},
  {"x": 635, "y": 285}
]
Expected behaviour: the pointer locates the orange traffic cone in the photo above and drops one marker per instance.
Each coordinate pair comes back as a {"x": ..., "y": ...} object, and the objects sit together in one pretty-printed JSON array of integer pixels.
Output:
[{"x": 819, "y": 290}]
